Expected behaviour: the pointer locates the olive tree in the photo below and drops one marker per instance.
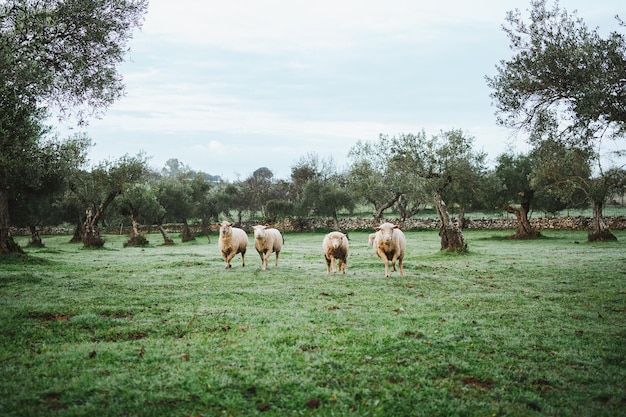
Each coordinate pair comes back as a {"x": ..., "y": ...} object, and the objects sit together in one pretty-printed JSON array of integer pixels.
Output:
[
  {"x": 44, "y": 180},
  {"x": 516, "y": 194},
  {"x": 317, "y": 189},
  {"x": 564, "y": 80},
  {"x": 464, "y": 169},
  {"x": 98, "y": 188},
  {"x": 139, "y": 202},
  {"x": 325, "y": 199},
  {"x": 381, "y": 175},
  {"x": 175, "y": 194},
  {"x": 60, "y": 55},
  {"x": 436, "y": 164}
]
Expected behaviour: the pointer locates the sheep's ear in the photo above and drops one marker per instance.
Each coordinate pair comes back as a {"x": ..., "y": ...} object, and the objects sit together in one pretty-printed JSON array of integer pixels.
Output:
[
  {"x": 377, "y": 228},
  {"x": 395, "y": 226}
]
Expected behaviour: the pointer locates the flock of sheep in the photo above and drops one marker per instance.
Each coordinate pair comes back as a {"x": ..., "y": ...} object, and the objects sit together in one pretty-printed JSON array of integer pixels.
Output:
[{"x": 389, "y": 244}]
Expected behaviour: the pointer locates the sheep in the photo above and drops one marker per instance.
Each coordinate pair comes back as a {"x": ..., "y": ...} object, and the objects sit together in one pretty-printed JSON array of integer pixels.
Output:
[
  {"x": 232, "y": 241},
  {"x": 370, "y": 239},
  {"x": 335, "y": 246},
  {"x": 266, "y": 241},
  {"x": 390, "y": 245}
]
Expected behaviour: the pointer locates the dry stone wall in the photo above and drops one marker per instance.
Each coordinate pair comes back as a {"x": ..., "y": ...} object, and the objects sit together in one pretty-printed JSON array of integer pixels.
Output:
[
  {"x": 540, "y": 223},
  {"x": 350, "y": 224}
]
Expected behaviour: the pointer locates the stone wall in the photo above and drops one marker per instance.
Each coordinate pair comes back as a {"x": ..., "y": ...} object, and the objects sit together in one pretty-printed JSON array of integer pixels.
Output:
[
  {"x": 540, "y": 223},
  {"x": 349, "y": 224}
]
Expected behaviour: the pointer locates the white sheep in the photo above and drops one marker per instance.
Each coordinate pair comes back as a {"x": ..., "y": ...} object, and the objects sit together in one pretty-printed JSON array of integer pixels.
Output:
[
  {"x": 370, "y": 239},
  {"x": 335, "y": 246},
  {"x": 232, "y": 241},
  {"x": 266, "y": 241},
  {"x": 390, "y": 245}
]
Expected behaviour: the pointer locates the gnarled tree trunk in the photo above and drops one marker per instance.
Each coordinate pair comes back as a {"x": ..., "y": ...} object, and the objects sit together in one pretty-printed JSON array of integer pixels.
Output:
[
  {"x": 91, "y": 231},
  {"x": 78, "y": 233},
  {"x": 336, "y": 221},
  {"x": 461, "y": 218},
  {"x": 35, "y": 239},
  {"x": 166, "y": 239},
  {"x": 601, "y": 231},
  {"x": 136, "y": 238},
  {"x": 451, "y": 236},
  {"x": 405, "y": 210},
  {"x": 524, "y": 229},
  {"x": 379, "y": 210},
  {"x": 7, "y": 244},
  {"x": 186, "y": 235}
]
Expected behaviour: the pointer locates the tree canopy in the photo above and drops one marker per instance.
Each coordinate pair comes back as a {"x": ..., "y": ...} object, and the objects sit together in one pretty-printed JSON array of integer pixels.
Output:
[
  {"x": 64, "y": 54},
  {"x": 565, "y": 83},
  {"x": 56, "y": 57},
  {"x": 562, "y": 75}
]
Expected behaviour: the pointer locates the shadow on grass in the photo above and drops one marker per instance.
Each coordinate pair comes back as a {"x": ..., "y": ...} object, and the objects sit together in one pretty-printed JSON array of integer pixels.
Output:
[
  {"x": 26, "y": 258},
  {"x": 100, "y": 249},
  {"x": 511, "y": 238}
]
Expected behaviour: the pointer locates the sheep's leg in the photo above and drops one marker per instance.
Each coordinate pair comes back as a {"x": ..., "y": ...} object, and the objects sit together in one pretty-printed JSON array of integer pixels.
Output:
[
  {"x": 328, "y": 261},
  {"x": 229, "y": 257},
  {"x": 386, "y": 262},
  {"x": 399, "y": 259},
  {"x": 277, "y": 258},
  {"x": 382, "y": 254},
  {"x": 243, "y": 261}
]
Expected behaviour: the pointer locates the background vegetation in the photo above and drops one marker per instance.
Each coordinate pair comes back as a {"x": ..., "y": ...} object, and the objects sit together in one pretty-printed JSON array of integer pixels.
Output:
[{"x": 563, "y": 87}]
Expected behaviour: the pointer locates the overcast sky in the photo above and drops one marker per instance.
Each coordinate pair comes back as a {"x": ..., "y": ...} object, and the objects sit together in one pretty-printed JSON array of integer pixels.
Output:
[{"x": 227, "y": 87}]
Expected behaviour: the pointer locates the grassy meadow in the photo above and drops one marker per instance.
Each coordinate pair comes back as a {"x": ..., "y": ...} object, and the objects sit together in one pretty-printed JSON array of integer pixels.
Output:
[{"x": 513, "y": 328}]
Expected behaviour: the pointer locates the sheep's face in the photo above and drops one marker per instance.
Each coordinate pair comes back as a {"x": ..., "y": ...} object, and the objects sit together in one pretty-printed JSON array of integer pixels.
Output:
[
  {"x": 335, "y": 242},
  {"x": 386, "y": 231},
  {"x": 226, "y": 229},
  {"x": 259, "y": 232}
]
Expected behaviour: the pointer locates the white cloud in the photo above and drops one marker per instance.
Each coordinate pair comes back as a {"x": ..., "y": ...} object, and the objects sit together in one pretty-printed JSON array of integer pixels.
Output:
[{"x": 217, "y": 146}]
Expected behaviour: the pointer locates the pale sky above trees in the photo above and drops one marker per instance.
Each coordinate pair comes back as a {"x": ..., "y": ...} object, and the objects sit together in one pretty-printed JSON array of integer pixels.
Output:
[{"x": 228, "y": 87}]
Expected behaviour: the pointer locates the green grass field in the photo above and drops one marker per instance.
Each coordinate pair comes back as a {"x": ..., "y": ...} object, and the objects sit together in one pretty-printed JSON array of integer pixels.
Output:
[{"x": 513, "y": 328}]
